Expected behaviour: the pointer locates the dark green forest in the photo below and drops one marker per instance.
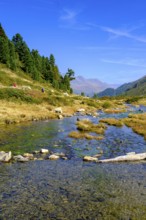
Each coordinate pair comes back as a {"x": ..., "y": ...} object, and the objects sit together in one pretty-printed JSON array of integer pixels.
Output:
[{"x": 16, "y": 55}]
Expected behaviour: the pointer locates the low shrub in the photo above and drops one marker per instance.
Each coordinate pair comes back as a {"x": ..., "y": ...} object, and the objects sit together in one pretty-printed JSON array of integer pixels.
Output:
[
  {"x": 17, "y": 95},
  {"x": 106, "y": 104},
  {"x": 133, "y": 99}
]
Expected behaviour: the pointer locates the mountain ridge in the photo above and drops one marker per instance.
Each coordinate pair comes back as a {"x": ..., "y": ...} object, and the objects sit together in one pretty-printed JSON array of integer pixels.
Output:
[
  {"x": 89, "y": 86},
  {"x": 137, "y": 87}
]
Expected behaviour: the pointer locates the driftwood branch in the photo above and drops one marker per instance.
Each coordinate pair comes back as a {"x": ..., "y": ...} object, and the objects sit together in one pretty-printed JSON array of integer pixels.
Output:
[{"x": 128, "y": 157}]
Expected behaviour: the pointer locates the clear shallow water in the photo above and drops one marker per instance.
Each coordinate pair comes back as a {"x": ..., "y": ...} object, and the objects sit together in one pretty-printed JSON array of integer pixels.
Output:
[{"x": 71, "y": 189}]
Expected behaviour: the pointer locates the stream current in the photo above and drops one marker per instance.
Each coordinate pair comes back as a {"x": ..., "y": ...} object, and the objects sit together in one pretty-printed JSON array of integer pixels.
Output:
[{"x": 72, "y": 189}]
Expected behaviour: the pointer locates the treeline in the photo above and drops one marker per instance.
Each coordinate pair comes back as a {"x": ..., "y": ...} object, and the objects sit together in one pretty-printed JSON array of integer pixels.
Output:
[{"x": 16, "y": 55}]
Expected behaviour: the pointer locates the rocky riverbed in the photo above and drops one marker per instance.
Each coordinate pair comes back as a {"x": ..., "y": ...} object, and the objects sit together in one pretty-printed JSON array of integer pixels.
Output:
[{"x": 70, "y": 188}]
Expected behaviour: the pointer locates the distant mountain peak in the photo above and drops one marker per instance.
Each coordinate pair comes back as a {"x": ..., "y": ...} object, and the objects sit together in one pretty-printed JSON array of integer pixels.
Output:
[{"x": 88, "y": 86}]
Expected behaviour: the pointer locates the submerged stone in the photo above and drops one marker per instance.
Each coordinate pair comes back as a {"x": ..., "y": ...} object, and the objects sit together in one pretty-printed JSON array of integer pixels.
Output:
[{"x": 89, "y": 158}]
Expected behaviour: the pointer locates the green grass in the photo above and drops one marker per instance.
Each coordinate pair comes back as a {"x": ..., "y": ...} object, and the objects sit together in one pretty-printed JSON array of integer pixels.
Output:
[{"x": 17, "y": 95}]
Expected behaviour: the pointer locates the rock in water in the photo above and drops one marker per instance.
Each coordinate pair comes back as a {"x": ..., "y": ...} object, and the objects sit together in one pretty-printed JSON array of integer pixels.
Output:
[
  {"x": 88, "y": 158},
  {"x": 20, "y": 158},
  {"x": 54, "y": 157},
  {"x": 44, "y": 151},
  {"x": 60, "y": 117},
  {"x": 5, "y": 157}
]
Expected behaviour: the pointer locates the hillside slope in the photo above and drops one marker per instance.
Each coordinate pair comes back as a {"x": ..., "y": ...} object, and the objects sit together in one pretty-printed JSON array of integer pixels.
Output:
[
  {"x": 136, "y": 88},
  {"x": 22, "y": 99}
]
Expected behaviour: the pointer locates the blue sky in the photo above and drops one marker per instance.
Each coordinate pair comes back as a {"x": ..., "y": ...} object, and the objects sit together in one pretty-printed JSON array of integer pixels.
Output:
[{"x": 103, "y": 39}]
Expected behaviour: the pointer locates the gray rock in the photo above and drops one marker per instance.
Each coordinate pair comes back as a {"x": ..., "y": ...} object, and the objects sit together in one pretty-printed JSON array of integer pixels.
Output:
[
  {"x": 60, "y": 117},
  {"x": 44, "y": 151},
  {"x": 5, "y": 157},
  {"x": 28, "y": 155},
  {"x": 58, "y": 110},
  {"x": 97, "y": 155},
  {"x": 90, "y": 159},
  {"x": 81, "y": 110},
  {"x": 59, "y": 154},
  {"x": 36, "y": 152},
  {"x": 53, "y": 157},
  {"x": 64, "y": 158},
  {"x": 20, "y": 158}
]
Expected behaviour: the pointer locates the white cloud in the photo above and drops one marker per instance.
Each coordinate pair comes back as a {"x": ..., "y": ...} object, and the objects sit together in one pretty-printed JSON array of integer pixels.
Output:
[
  {"x": 129, "y": 62},
  {"x": 99, "y": 48},
  {"x": 68, "y": 15},
  {"x": 69, "y": 20},
  {"x": 123, "y": 33},
  {"x": 115, "y": 33},
  {"x": 142, "y": 49}
]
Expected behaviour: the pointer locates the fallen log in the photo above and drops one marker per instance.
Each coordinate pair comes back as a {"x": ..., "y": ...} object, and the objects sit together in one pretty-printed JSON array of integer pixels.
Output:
[{"x": 132, "y": 156}]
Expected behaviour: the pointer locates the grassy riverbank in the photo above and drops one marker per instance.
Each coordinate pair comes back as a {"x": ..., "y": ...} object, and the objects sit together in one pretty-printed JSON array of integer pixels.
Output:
[{"x": 22, "y": 99}]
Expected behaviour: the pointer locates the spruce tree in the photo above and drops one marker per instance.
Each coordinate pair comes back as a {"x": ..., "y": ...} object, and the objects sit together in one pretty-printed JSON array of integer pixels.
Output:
[
  {"x": 37, "y": 65},
  {"x": 4, "y": 51},
  {"x": 2, "y": 33},
  {"x": 13, "y": 57},
  {"x": 4, "y": 47}
]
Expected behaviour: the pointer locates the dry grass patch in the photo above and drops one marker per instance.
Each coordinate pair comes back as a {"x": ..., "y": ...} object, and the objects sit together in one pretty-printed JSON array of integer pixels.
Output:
[
  {"x": 87, "y": 125},
  {"x": 114, "y": 111},
  {"x": 11, "y": 112},
  {"x": 76, "y": 134},
  {"x": 137, "y": 123},
  {"x": 142, "y": 101},
  {"x": 112, "y": 121}
]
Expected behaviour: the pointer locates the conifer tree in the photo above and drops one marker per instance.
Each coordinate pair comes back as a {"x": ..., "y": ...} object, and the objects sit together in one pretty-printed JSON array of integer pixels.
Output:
[
  {"x": 4, "y": 47},
  {"x": 4, "y": 52},
  {"x": 13, "y": 57},
  {"x": 2, "y": 33},
  {"x": 36, "y": 65},
  {"x": 16, "y": 54}
]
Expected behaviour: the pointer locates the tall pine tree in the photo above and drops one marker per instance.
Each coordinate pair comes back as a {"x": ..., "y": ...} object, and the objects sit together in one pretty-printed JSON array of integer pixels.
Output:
[{"x": 4, "y": 47}]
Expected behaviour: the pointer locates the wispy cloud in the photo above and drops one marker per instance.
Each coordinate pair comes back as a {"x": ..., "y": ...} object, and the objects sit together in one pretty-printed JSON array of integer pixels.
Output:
[
  {"x": 68, "y": 15},
  {"x": 69, "y": 19},
  {"x": 129, "y": 62},
  {"x": 99, "y": 48},
  {"x": 109, "y": 48},
  {"x": 115, "y": 33}
]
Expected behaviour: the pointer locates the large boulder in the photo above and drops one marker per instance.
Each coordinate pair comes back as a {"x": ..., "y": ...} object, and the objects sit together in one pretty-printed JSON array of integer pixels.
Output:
[{"x": 5, "y": 157}]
